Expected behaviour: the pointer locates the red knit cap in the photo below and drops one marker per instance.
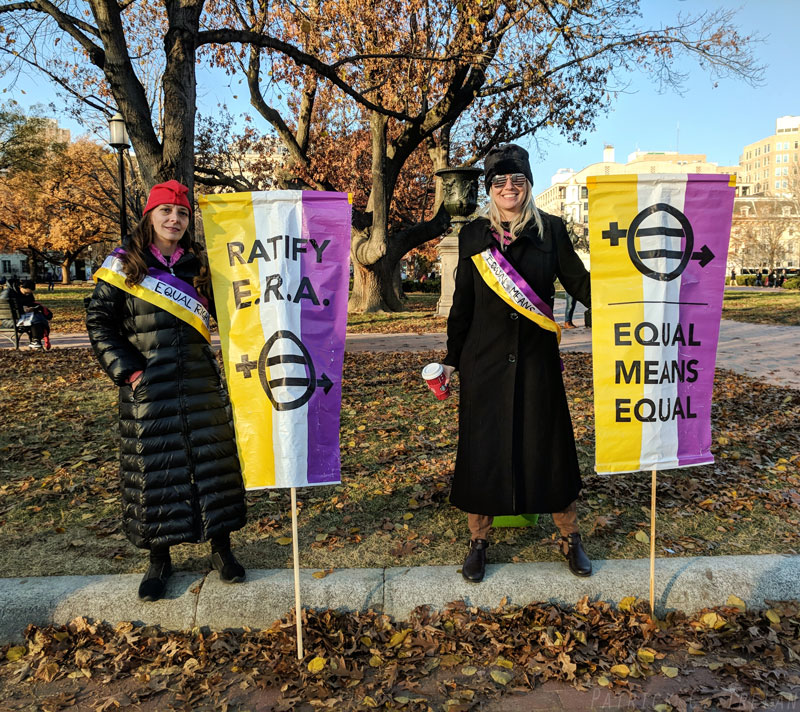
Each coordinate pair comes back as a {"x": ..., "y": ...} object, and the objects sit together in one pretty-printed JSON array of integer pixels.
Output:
[{"x": 169, "y": 192}]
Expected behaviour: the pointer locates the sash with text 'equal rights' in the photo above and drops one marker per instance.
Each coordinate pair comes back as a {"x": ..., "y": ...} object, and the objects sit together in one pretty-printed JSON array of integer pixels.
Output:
[
  {"x": 280, "y": 270},
  {"x": 161, "y": 288},
  {"x": 658, "y": 245}
]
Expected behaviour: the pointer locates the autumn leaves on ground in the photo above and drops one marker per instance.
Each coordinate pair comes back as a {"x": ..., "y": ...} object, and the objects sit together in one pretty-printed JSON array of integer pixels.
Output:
[
  {"x": 59, "y": 514},
  {"x": 455, "y": 661},
  {"x": 59, "y": 496}
]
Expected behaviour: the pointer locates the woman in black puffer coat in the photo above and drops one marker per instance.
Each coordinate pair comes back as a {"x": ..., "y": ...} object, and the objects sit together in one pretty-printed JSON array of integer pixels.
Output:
[{"x": 181, "y": 480}]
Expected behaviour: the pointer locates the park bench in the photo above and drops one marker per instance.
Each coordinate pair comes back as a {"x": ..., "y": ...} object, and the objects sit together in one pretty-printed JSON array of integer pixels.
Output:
[{"x": 8, "y": 313}]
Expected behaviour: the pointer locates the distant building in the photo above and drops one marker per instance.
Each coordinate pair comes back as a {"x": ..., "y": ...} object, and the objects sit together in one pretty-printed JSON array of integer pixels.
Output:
[
  {"x": 568, "y": 196},
  {"x": 54, "y": 134},
  {"x": 769, "y": 166},
  {"x": 14, "y": 264},
  {"x": 765, "y": 234}
]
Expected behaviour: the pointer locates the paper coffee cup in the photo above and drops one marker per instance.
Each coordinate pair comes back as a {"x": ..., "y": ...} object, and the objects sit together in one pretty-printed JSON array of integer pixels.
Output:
[{"x": 434, "y": 376}]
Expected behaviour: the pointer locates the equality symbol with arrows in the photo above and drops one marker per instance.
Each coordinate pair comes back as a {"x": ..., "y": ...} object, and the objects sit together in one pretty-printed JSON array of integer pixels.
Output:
[
  {"x": 282, "y": 390},
  {"x": 659, "y": 220}
]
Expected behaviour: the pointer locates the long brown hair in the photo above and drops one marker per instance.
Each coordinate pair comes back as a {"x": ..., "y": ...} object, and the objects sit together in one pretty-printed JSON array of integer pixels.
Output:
[{"x": 135, "y": 267}]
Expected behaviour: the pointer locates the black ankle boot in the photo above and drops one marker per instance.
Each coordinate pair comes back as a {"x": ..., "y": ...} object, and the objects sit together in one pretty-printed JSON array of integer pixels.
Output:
[
  {"x": 474, "y": 566},
  {"x": 230, "y": 570},
  {"x": 155, "y": 580},
  {"x": 572, "y": 549}
]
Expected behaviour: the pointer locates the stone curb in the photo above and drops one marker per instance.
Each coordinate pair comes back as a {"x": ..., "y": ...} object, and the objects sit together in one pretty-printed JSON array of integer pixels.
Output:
[{"x": 195, "y": 599}]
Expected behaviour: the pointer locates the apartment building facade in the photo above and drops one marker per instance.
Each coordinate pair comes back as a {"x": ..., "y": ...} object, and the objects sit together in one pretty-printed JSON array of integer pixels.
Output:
[{"x": 770, "y": 165}]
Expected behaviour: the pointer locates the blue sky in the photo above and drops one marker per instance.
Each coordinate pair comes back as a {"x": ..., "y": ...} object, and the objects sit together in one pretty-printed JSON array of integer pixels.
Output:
[{"x": 717, "y": 121}]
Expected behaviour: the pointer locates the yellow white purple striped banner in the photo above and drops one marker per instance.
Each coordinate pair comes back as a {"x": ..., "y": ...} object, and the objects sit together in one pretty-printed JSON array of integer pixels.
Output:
[
  {"x": 280, "y": 268},
  {"x": 659, "y": 245}
]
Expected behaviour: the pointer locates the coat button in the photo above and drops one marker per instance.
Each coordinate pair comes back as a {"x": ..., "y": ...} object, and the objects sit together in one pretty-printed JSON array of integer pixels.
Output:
[
  {"x": 512, "y": 358},
  {"x": 513, "y": 316}
]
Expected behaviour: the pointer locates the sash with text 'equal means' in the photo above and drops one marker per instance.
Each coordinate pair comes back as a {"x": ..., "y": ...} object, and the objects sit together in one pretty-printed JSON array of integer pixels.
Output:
[
  {"x": 508, "y": 284},
  {"x": 659, "y": 245},
  {"x": 280, "y": 270}
]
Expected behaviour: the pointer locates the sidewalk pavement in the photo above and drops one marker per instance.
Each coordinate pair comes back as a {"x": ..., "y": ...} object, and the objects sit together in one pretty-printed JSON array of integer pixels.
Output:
[
  {"x": 768, "y": 353},
  {"x": 764, "y": 352}
]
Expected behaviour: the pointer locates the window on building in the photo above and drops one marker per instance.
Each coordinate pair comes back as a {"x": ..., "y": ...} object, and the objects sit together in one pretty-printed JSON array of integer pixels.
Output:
[
  {"x": 777, "y": 185},
  {"x": 758, "y": 152},
  {"x": 785, "y": 184},
  {"x": 586, "y": 207},
  {"x": 766, "y": 148},
  {"x": 6, "y": 266},
  {"x": 777, "y": 171},
  {"x": 584, "y": 192},
  {"x": 785, "y": 171},
  {"x": 758, "y": 164}
]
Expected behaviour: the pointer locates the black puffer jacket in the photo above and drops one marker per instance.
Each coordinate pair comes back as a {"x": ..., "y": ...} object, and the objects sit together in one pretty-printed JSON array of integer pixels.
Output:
[{"x": 181, "y": 480}]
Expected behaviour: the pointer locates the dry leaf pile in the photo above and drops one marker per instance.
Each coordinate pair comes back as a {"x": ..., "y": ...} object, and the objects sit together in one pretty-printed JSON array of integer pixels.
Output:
[{"x": 450, "y": 661}]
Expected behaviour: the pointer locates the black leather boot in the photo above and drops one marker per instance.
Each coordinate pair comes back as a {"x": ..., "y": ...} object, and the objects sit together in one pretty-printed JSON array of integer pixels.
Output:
[
  {"x": 155, "y": 580},
  {"x": 230, "y": 570},
  {"x": 576, "y": 557},
  {"x": 474, "y": 566}
]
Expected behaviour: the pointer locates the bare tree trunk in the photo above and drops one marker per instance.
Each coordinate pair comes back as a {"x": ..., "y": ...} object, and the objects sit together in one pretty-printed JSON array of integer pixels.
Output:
[
  {"x": 373, "y": 288},
  {"x": 65, "y": 265}
]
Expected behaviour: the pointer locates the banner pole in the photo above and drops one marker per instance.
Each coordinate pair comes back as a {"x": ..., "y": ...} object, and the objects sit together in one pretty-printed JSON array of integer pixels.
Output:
[
  {"x": 652, "y": 543},
  {"x": 296, "y": 556}
]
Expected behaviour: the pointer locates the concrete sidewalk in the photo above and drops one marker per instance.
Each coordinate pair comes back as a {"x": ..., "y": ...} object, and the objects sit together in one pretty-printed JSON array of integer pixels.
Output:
[{"x": 201, "y": 599}]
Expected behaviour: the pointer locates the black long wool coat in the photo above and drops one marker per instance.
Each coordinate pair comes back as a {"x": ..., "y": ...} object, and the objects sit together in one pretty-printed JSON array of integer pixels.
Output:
[
  {"x": 181, "y": 480},
  {"x": 516, "y": 449}
]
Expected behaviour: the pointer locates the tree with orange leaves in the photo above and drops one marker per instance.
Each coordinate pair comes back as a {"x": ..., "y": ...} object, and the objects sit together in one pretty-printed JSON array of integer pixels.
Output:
[{"x": 55, "y": 210}]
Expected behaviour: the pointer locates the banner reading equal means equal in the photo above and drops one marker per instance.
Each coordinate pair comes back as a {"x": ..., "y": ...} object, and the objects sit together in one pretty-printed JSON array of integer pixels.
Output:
[
  {"x": 659, "y": 246},
  {"x": 280, "y": 270}
]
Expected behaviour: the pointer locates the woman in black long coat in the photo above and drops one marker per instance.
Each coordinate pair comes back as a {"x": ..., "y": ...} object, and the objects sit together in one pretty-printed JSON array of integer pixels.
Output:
[
  {"x": 148, "y": 325},
  {"x": 516, "y": 449}
]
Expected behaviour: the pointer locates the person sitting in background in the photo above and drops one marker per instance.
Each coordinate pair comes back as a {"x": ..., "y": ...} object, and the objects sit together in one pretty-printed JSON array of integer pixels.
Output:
[{"x": 33, "y": 317}]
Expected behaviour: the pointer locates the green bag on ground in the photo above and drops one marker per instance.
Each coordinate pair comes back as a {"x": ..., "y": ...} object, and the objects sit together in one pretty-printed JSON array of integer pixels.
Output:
[{"x": 516, "y": 520}]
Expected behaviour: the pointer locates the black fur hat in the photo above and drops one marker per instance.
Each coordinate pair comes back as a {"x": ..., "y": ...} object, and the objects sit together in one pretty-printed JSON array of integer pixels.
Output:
[{"x": 508, "y": 158}]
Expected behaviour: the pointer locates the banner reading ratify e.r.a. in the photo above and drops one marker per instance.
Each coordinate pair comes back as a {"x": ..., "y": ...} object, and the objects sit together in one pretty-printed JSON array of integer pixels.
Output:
[
  {"x": 659, "y": 245},
  {"x": 280, "y": 270}
]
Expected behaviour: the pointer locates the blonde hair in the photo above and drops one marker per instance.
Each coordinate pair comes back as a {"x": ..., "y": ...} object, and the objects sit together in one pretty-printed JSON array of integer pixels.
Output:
[{"x": 529, "y": 212}]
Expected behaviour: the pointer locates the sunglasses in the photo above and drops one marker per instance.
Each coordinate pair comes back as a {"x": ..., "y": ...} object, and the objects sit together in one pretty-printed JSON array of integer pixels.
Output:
[{"x": 517, "y": 179}]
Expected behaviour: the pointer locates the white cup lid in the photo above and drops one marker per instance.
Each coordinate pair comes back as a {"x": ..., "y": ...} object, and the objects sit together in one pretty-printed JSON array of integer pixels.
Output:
[{"x": 432, "y": 370}]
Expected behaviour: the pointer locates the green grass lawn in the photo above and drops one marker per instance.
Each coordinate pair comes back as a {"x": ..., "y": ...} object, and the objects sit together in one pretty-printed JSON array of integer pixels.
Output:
[
  {"x": 59, "y": 491},
  {"x": 780, "y": 306}
]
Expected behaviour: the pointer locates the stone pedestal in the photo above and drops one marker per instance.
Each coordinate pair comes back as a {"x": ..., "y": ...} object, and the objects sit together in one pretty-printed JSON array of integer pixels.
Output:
[{"x": 448, "y": 255}]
